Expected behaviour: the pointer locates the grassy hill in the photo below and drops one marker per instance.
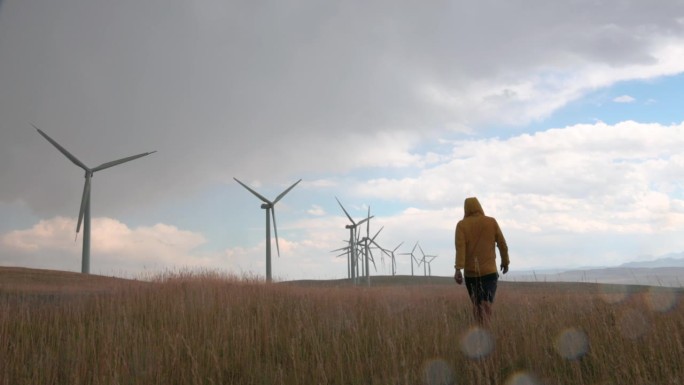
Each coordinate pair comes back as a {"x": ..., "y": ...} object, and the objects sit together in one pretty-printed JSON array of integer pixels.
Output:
[
  {"x": 39, "y": 281},
  {"x": 206, "y": 329},
  {"x": 19, "y": 279}
]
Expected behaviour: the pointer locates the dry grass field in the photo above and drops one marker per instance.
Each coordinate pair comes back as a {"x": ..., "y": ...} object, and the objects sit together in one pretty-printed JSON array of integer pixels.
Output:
[{"x": 65, "y": 328}]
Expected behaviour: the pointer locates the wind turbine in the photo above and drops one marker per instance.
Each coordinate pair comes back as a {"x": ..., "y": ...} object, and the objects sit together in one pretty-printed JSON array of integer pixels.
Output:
[
  {"x": 352, "y": 239},
  {"x": 413, "y": 257},
  {"x": 84, "y": 212},
  {"x": 429, "y": 263},
  {"x": 368, "y": 254},
  {"x": 423, "y": 261},
  {"x": 390, "y": 253},
  {"x": 270, "y": 213},
  {"x": 366, "y": 243}
]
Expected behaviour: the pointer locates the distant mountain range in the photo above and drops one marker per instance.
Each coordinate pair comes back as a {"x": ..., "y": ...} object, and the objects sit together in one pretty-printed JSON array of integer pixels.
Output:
[
  {"x": 667, "y": 270},
  {"x": 670, "y": 260}
]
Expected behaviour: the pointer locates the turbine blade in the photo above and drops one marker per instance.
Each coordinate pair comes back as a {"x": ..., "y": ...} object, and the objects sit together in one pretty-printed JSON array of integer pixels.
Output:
[
  {"x": 62, "y": 149},
  {"x": 372, "y": 260},
  {"x": 382, "y": 250},
  {"x": 345, "y": 211},
  {"x": 84, "y": 201},
  {"x": 421, "y": 251},
  {"x": 254, "y": 192},
  {"x": 282, "y": 194},
  {"x": 365, "y": 219},
  {"x": 414, "y": 248},
  {"x": 119, "y": 161},
  {"x": 382, "y": 253},
  {"x": 398, "y": 246},
  {"x": 368, "y": 224},
  {"x": 376, "y": 234},
  {"x": 275, "y": 229}
]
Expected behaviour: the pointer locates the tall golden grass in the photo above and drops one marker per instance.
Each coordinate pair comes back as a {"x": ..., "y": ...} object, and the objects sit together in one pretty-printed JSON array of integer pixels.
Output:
[{"x": 209, "y": 329}]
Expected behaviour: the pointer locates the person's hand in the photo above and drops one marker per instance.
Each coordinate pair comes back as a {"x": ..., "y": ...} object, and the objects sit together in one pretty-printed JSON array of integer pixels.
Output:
[
  {"x": 458, "y": 277},
  {"x": 504, "y": 269}
]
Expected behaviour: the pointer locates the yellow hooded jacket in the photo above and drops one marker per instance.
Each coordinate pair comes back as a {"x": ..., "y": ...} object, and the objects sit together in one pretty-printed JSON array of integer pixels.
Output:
[{"x": 476, "y": 235}]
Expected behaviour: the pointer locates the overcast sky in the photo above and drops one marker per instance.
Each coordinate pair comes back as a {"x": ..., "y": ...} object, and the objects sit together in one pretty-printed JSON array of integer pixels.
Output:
[{"x": 565, "y": 119}]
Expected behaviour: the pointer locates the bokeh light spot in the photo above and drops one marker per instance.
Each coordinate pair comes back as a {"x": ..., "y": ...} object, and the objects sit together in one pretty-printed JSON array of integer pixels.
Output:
[
  {"x": 633, "y": 324},
  {"x": 521, "y": 378},
  {"x": 661, "y": 299},
  {"x": 477, "y": 343},
  {"x": 572, "y": 344},
  {"x": 438, "y": 372}
]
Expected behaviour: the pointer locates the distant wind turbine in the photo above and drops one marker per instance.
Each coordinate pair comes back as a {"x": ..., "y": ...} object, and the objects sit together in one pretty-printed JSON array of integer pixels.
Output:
[
  {"x": 390, "y": 253},
  {"x": 413, "y": 257},
  {"x": 365, "y": 244},
  {"x": 353, "y": 240},
  {"x": 429, "y": 263},
  {"x": 366, "y": 250},
  {"x": 423, "y": 261},
  {"x": 269, "y": 206},
  {"x": 84, "y": 212}
]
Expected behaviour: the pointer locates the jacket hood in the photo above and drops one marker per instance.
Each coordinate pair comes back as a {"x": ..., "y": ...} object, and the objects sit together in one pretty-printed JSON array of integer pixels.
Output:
[{"x": 472, "y": 206}]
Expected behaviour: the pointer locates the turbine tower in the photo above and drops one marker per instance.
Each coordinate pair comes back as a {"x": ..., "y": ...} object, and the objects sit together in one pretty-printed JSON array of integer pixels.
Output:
[
  {"x": 269, "y": 206},
  {"x": 84, "y": 212},
  {"x": 353, "y": 240}
]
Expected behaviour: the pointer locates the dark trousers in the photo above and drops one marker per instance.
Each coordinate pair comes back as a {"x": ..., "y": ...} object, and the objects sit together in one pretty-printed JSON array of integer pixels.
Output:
[{"x": 481, "y": 289}]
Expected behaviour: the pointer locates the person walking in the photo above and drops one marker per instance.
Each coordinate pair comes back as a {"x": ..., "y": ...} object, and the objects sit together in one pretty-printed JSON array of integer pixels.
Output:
[{"x": 475, "y": 238}]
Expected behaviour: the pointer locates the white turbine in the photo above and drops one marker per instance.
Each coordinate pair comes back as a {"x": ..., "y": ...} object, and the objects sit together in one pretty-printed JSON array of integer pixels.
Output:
[
  {"x": 270, "y": 213},
  {"x": 353, "y": 240},
  {"x": 368, "y": 253},
  {"x": 390, "y": 253},
  {"x": 84, "y": 212},
  {"x": 423, "y": 261},
  {"x": 429, "y": 263},
  {"x": 413, "y": 257}
]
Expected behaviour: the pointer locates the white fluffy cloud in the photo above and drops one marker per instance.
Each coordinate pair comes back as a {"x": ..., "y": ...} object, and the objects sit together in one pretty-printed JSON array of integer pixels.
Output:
[
  {"x": 624, "y": 99},
  {"x": 591, "y": 194},
  {"x": 569, "y": 183},
  {"x": 115, "y": 248},
  {"x": 607, "y": 172}
]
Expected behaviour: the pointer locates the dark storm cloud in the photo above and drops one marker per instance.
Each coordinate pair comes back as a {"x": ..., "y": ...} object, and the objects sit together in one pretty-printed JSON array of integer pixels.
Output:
[{"x": 266, "y": 89}]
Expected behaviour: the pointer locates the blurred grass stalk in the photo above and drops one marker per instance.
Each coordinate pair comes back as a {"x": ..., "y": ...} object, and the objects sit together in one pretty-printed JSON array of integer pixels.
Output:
[{"x": 211, "y": 329}]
